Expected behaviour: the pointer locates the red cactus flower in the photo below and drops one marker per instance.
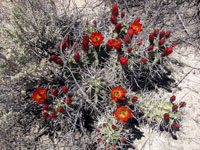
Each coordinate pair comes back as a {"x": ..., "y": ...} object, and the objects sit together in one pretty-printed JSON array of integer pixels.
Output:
[
  {"x": 68, "y": 100},
  {"x": 155, "y": 33},
  {"x": 40, "y": 95},
  {"x": 45, "y": 107},
  {"x": 123, "y": 113},
  {"x": 118, "y": 27},
  {"x": 99, "y": 140},
  {"x": 117, "y": 92},
  {"x": 175, "y": 126},
  {"x": 53, "y": 57},
  {"x": 174, "y": 43},
  {"x": 167, "y": 35},
  {"x": 137, "y": 19},
  {"x": 139, "y": 42},
  {"x": 86, "y": 37},
  {"x": 166, "y": 116},
  {"x": 173, "y": 98},
  {"x": 85, "y": 45},
  {"x": 52, "y": 115},
  {"x": 109, "y": 44},
  {"x": 64, "y": 89},
  {"x": 96, "y": 39},
  {"x": 151, "y": 37},
  {"x": 60, "y": 109},
  {"x": 59, "y": 61},
  {"x": 144, "y": 59},
  {"x": 117, "y": 43},
  {"x": 123, "y": 60},
  {"x": 45, "y": 114},
  {"x": 76, "y": 57},
  {"x": 97, "y": 130},
  {"x": 113, "y": 19},
  {"x": 167, "y": 51},
  {"x": 134, "y": 99},
  {"x": 182, "y": 104},
  {"x": 130, "y": 49},
  {"x": 162, "y": 34},
  {"x": 122, "y": 14},
  {"x": 150, "y": 48},
  {"x": 161, "y": 42},
  {"x": 136, "y": 27},
  {"x": 174, "y": 108},
  {"x": 115, "y": 10},
  {"x": 123, "y": 139},
  {"x": 127, "y": 39},
  {"x": 113, "y": 127},
  {"x": 54, "y": 92}
]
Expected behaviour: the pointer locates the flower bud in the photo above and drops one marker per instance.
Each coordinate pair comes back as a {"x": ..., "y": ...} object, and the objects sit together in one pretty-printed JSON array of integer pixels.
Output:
[
  {"x": 53, "y": 57},
  {"x": 45, "y": 107},
  {"x": 137, "y": 19},
  {"x": 155, "y": 33},
  {"x": 144, "y": 59},
  {"x": 166, "y": 116},
  {"x": 115, "y": 10},
  {"x": 130, "y": 33},
  {"x": 123, "y": 60},
  {"x": 85, "y": 45},
  {"x": 86, "y": 37},
  {"x": 68, "y": 100},
  {"x": 127, "y": 39},
  {"x": 54, "y": 92},
  {"x": 162, "y": 34},
  {"x": 134, "y": 99},
  {"x": 52, "y": 115},
  {"x": 64, "y": 89},
  {"x": 182, "y": 104},
  {"x": 118, "y": 27},
  {"x": 45, "y": 114},
  {"x": 76, "y": 57},
  {"x": 139, "y": 42},
  {"x": 174, "y": 108},
  {"x": 122, "y": 14},
  {"x": 151, "y": 37},
  {"x": 150, "y": 48},
  {"x": 130, "y": 49},
  {"x": 60, "y": 109},
  {"x": 59, "y": 61},
  {"x": 173, "y": 98},
  {"x": 167, "y": 35},
  {"x": 161, "y": 42},
  {"x": 175, "y": 126},
  {"x": 167, "y": 51},
  {"x": 113, "y": 19}
]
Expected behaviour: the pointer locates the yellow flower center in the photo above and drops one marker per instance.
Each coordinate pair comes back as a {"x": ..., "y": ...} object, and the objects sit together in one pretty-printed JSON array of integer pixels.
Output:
[
  {"x": 123, "y": 113},
  {"x": 117, "y": 93}
]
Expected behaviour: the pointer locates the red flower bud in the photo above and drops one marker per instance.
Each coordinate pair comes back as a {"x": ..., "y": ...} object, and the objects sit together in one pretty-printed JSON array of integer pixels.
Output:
[
  {"x": 113, "y": 19},
  {"x": 68, "y": 100},
  {"x": 166, "y": 116},
  {"x": 174, "y": 43},
  {"x": 122, "y": 14},
  {"x": 175, "y": 126},
  {"x": 60, "y": 109},
  {"x": 104, "y": 124},
  {"x": 155, "y": 33},
  {"x": 130, "y": 33},
  {"x": 44, "y": 114},
  {"x": 115, "y": 10},
  {"x": 151, "y": 37},
  {"x": 86, "y": 37},
  {"x": 161, "y": 42},
  {"x": 85, "y": 45},
  {"x": 113, "y": 146},
  {"x": 64, "y": 89},
  {"x": 97, "y": 130},
  {"x": 123, "y": 60},
  {"x": 168, "y": 33},
  {"x": 76, "y": 57},
  {"x": 137, "y": 19},
  {"x": 53, "y": 57},
  {"x": 174, "y": 108},
  {"x": 109, "y": 44},
  {"x": 123, "y": 139},
  {"x": 150, "y": 48},
  {"x": 173, "y": 98},
  {"x": 127, "y": 39},
  {"x": 59, "y": 61},
  {"x": 99, "y": 140},
  {"x": 52, "y": 115},
  {"x": 130, "y": 49},
  {"x": 113, "y": 127},
  {"x": 134, "y": 99},
  {"x": 167, "y": 51},
  {"x": 162, "y": 34},
  {"x": 94, "y": 22},
  {"x": 118, "y": 27},
  {"x": 144, "y": 59},
  {"x": 54, "y": 92},
  {"x": 139, "y": 42},
  {"x": 45, "y": 107},
  {"x": 182, "y": 104}
]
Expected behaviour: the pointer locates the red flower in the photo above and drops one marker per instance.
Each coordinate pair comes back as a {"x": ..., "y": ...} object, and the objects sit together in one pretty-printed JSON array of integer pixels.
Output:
[
  {"x": 68, "y": 100},
  {"x": 162, "y": 34},
  {"x": 118, "y": 27},
  {"x": 155, "y": 33},
  {"x": 60, "y": 109},
  {"x": 130, "y": 49},
  {"x": 173, "y": 98},
  {"x": 113, "y": 19},
  {"x": 174, "y": 43},
  {"x": 117, "y": 92},
  {"x": 151, "y": 37},
  {"x": 86, "y": 37},
  {"x": 174, "y": 108},
  {"x": 166, "y": 116},
  {"x": 64, "y": 89},
  {"x": 134, "y": 99},
  {"x": 161, "y": 42},
  {"x": 115, "y": 10},
  {"x": 123, "y": 60},
  {"x": 139, "y": 42},
  {"x": 85, "y": 45},
  {"x": 168, "y": 33},
  {"x": 150, "y": 48},
  {"x": 76, "y": 57},
  {"x": 167, "y": 51},
  {"x": 54, "y": 92},
  {"x": 182, "y": 104},
  {"x": 109, "y": 44},
  {"x": 116, "y": 43},
  {"x": 45, "y": 107},
  {"x": 144, "y": 59},
  {"x": 40, "y": 95},
  {"x": 45, "y": 114},
  {"x": 123, "y": 113},
  {"x": 175, "y": 126},
  {"x": 52, "y": 115},
  {"x": 127, "y": 39},
  {"x": 96, "y": 39},
  {"x": 122, "y": 14},
  {"x": 136, "y": 27}
]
